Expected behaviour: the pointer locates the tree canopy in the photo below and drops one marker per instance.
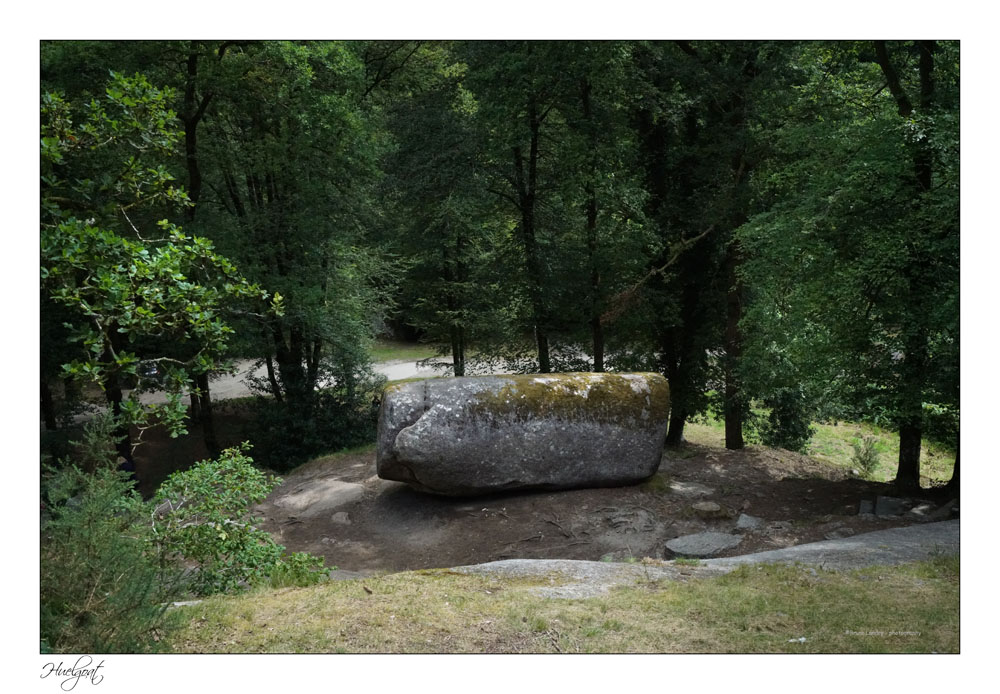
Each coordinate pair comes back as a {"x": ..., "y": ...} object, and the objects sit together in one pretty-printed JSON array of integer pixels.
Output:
[{"x": 772, "y": 225}]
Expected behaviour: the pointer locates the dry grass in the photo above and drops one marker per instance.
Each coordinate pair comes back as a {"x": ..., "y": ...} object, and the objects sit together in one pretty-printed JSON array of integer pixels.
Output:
[{"x": 764, "y": 609}]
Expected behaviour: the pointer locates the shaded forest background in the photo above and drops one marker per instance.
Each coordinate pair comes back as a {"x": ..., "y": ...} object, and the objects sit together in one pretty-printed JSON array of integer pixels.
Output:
[{"x": 772, "y": 225}]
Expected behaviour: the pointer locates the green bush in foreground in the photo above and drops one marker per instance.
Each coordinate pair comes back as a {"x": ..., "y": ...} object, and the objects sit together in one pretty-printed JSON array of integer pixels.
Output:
[
  {"x": 102, "y": 589},
  {"x": 111, "y": 563},
  {"x": 203, "y": 516}
]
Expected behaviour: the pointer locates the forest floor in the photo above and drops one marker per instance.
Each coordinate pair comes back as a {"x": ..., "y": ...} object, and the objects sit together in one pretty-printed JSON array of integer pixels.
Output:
[{"x": 336, "y": 507}]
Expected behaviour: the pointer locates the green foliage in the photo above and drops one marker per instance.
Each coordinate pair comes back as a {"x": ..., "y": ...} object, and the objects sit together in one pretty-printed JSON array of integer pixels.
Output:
[
  {"x": 509, "y": 194},
  {"x": 102, "y": 590},
  {"x": 111, "y": 563},
  {"x": 853, "y": 256},
  {"x": 788, "y": 423},
  {"x": 866, "y": 455},
  {"x": 286, "y": 435},
  {"x": 298, "y": 570},
  {"x": 102, "y": 164},
  {"x": 203, "y": 516}
]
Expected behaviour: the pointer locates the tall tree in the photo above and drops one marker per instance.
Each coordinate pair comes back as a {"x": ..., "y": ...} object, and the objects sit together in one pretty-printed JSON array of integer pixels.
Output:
[{"x": 858, "y": 249}]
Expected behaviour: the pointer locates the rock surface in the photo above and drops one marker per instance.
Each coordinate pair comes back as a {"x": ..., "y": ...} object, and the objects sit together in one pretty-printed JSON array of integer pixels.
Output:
[
  {"x": 747, "y": 522},
  {"x": 575, "y": 579},
  {"x": 319, "y": 496},
  {"x": 476, "y": 435},
  {"x": 683, "y": 488},
  {"x": 702, "y": 544},
  {"x": 709, "y": 510}
]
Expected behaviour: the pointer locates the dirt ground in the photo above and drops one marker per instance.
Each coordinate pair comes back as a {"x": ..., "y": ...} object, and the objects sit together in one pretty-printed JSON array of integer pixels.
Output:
[{"x": 337, "y": 508}]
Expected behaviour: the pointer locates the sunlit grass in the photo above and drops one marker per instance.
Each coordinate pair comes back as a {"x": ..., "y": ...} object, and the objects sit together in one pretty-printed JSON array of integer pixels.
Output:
[
  {"x": 832, "y": 444},
  {"x": 756, "y": 609},
  {"x": 387, "y": 350}
]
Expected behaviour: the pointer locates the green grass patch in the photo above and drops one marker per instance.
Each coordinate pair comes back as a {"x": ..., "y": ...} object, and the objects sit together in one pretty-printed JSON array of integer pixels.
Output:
[
  {"x": 832, "y": 444},
  {"x": 387, "y": 350},
  {"x": 756, "y": 609}
]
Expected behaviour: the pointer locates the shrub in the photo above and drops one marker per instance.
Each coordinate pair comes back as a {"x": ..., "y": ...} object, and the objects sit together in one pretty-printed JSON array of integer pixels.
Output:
[
  {"x": 788, "y": 425},
  {"x": 866, "y": 455},
  {"x": 300, "y": 569},
  {"x": 111, "y": 563},
  {"x": 203, "y": 517},
  {"x": 101, "y": 589}
]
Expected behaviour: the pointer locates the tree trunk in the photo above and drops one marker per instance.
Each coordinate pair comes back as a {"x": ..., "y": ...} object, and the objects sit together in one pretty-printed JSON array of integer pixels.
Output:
[
  {"x": 194, "y": 414},
  {"x": 526, "y": 190},
  {"x": 733, "y": 407},
  {"x": 207, "y": 421},
  {"x": 590, "y": 191},
  {"x": 914, "y": 371},
  {"x": 273, "y": 379},
  {"x": 908, "y": 472},
  {"x": 457, "y": 350},
  {"x": 675, "y": 432},
  {"x": 313, "y": 366},
  {"x": 122, "y": 434},
  {"x": 48, "y": 407},
  {"x": 953, "y": 483}
]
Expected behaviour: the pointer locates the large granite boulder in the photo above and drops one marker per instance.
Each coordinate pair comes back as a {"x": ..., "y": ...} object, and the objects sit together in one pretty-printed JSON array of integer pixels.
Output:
[{"x": 483, "y": 434}]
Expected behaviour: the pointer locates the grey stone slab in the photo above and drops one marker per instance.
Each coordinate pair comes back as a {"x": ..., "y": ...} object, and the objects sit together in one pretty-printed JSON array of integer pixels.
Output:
[
  {"x": 890, "y": 506},
  {"x": 882, "y": 547},
  {"x": 576, "y": 579},
  {"x": 700, "y": 545},
  {"x": 747, "y": 522}
]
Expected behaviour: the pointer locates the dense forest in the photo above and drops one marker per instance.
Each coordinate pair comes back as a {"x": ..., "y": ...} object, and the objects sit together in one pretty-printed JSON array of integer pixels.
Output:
[{"x": 773, "y": 226}]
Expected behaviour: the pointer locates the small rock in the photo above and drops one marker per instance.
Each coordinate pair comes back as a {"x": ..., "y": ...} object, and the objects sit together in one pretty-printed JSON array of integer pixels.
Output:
[
  {"x": 318, "y": 496},
  {"x": 890, "y": 506},
  {"x": 745, "y": 522},
  {"x": 690, "y": 488},
  {"x": 921, "y": 511},
  {"x": 701, "y": 544},
  {"x": 708, "y": 509},
  {"x": 949, "y": 510},
  {"x": 186, "y": 603},
  {"x": 341, "y": 518}
]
